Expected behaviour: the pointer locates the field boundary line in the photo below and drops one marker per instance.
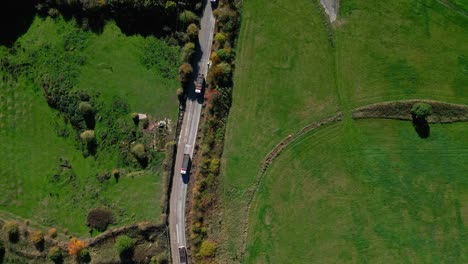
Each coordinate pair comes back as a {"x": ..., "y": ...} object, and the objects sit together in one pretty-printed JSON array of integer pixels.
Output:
[{"x": 401, "y": 110}]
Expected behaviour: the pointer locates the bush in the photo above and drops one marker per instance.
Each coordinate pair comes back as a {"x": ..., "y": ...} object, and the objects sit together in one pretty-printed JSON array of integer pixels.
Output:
[
  {"x": 207, "y": 249},
  {"x": 220, "y": 74},
  {"x": 55, "y": 255},
  {"x": 36, "y": 237},
  {"x": 220, "y": 38},
  {"x": 180, "y": 93},
  {"x": 11, "y": 228},
  {"x": 187, "y": 52},
  {"x": 85, "y": 108},
  {"x": 421, "y": 110},
  {"x": 185, "y": 71},
  {"x": 124, "y": 245},
  {"x": 170, "y": 6},
  {"x": 88, "y": 137},
  {"x": 192, "y": 31},
  {"x": 187, "y": 17},
  {"x": 99, "y": 218},
  {"x": 83, "y": 256},
  {"x": 52, "y": 232},
  {"x": 75, "y": 246},
  {"x": 139, "y": 151}
]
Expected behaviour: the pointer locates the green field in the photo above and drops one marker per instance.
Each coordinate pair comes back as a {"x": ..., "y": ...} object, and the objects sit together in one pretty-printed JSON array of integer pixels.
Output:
[
  {"x": 287, "y": 76},
  {"x": 29, "y": 129},
  {"x": 373, "y": 192}
]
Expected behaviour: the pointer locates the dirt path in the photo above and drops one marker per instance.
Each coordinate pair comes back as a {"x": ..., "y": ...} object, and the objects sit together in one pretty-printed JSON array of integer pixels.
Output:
[{"x": 331, "y": 8}]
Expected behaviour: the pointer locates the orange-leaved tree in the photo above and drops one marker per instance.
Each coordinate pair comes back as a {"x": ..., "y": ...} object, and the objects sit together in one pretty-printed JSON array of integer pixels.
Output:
[{"x": 75, "y": 246}]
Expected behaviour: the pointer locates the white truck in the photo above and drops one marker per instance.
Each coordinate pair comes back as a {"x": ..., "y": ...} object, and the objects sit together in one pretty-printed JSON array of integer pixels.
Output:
[{"x": 199, "y": 83}]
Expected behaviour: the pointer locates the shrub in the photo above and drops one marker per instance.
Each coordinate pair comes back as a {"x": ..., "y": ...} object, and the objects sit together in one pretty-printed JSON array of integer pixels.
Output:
[
  {"x": 220, "y": 74},
  {"x": 187, "y": 51},
  {"x": 36, "y": 237},
  {"x": 192, "y": 31},
  {"x": 185, "y": 71},
  {"x": 139, "y": 151},
  {"x": 187, "y": 17},
  {"x": 75, "y": 246},
  {"x": 88, "y": 137},
  {"x": 170, "y": 6},
  {"x": 85, "y": 108},
  {"x": 180, "y": 93},
  {"x": 52, "y": 232},
  {"x": 421, "y": 110},
  {"x": 99, "y": 218},
  {"x": 83, "y": 256},
  {"x": 124, "y": 245},
  {"x": 220, "y": 38},
  {"x": 207, "y": 249},
  {"x": 11, "y": 228},
  {"x": 55, "y": 255}
]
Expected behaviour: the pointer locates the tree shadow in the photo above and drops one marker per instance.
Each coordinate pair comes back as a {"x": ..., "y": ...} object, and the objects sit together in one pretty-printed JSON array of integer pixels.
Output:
[
  {"x": 40, "y": 246},
  {"x": 15, "y": 19},
  {"x": 421, "y": 126},
  {"x": 127, "y": 257}
]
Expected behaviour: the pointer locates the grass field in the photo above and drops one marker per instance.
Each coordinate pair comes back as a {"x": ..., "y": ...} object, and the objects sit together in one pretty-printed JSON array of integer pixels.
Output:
[
  {"x": 386, "y": 196},
  {"x": 287, "y": 75},
  {"x": 32, "y": 148}
]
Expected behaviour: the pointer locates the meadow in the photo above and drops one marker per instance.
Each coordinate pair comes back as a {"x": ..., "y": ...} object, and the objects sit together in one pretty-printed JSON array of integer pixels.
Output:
[
  {"x": 44, "y": 175},
  {"x": 372, "y": 192},
  {"x": 288, "y": 75}
]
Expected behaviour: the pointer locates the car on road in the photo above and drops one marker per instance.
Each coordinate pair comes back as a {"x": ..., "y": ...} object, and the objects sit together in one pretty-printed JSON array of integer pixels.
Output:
[
  {"x": 185, "y": 164},
  {"x": 199, "y": 83},
  {"x": 182, "y": 255}
]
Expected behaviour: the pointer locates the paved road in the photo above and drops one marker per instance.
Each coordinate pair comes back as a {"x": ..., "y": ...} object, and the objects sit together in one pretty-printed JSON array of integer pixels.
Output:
[{"x": 188, "y": 135}]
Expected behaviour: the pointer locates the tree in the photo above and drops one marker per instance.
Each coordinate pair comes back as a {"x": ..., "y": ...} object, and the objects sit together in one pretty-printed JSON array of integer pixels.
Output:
[
  {"x": 421, "y": 110},
  {"x": 55, "y": 255},
  {"x": 185, "y": 71},
  {"x": 187, "y": 52},
  {"x": 170, "y": 6},
  {"x": 139, "y": 151},
  {"x": 124, "y": 245},
  {"x": 187, "y": 17},
  {"x": 99, "y": 219},
  {"x": 192, "y": 31},
  {"x": 207, "y": 249},
  {"x": 88, "y": 137},
  {"x": 75, "y": 246},
  {"x": 220, "y": 38},
  {"x": 11, "y": 228}
]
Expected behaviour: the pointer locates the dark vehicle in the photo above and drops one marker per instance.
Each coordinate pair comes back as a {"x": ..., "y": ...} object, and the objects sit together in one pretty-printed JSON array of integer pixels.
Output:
[
  {"x": 185, "y": 164},
  {"x": 182, "y": 255},
  {"x": 199, "y": 83}
]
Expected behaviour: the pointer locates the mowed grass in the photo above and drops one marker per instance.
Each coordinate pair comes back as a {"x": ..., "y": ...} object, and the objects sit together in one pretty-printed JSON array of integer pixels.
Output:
[
  {"x": 32, "y": 148},
  {"x": 392, "y": 50},
  {"x": 372, "y": 192},
  {"x": 284, "y": 79},
  {"x": 287, "y": 76}
]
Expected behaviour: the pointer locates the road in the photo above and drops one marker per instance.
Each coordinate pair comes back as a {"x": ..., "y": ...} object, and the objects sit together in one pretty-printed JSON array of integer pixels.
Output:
[{"x": 188, "y": 135}]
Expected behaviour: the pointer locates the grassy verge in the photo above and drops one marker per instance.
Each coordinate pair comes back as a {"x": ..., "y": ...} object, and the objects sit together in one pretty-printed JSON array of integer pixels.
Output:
[{"x": 385, "y": 196}]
